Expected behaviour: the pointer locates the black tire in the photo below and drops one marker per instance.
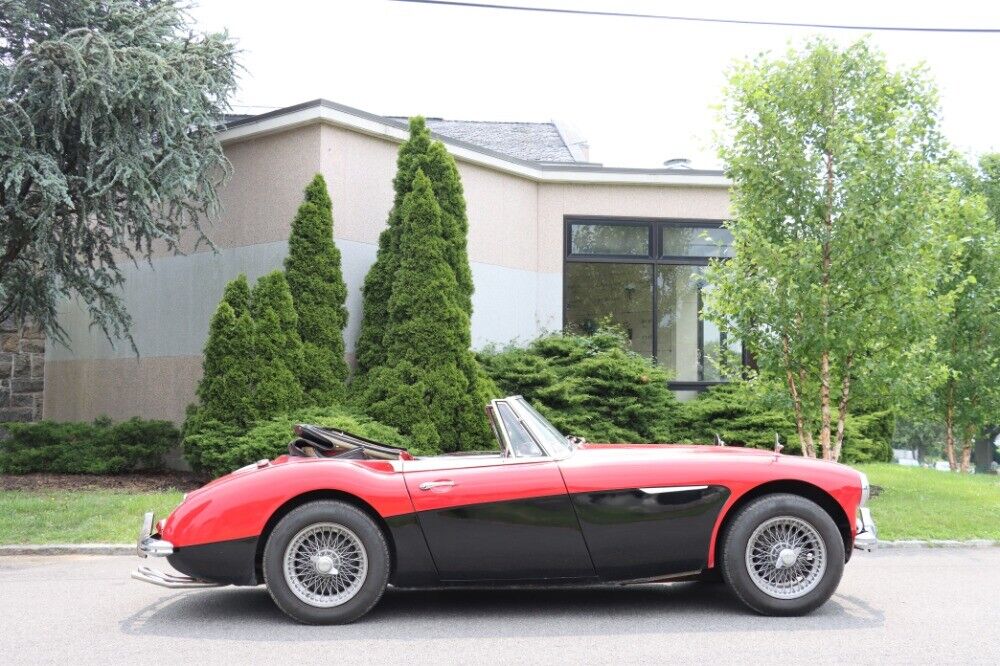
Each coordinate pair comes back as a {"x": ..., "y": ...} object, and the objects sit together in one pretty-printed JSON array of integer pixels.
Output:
[
  {"x": 738, "y": 532},
  {"x": 341, "y": 514}
]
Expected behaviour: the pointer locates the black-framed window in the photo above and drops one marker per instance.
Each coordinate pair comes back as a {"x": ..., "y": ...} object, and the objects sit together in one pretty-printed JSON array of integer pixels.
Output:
[{"x": 647, "y": 275}]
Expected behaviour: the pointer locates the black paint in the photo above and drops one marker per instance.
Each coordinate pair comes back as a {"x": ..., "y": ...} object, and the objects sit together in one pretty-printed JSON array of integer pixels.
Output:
[
  {"x": 412, "y": 563},
  {"x": 632, "y": 534},
  {"x": 227, "y": 562},
  {"x": 520, "y": 540}
]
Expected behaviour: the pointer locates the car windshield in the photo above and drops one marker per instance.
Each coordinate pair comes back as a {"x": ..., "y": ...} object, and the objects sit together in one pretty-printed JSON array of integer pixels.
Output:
[{"x": 553, "y": 440}]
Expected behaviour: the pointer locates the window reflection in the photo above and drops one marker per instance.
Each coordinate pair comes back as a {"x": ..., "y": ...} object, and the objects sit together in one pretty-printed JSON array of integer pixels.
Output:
[{"x": 621, "y": 292}]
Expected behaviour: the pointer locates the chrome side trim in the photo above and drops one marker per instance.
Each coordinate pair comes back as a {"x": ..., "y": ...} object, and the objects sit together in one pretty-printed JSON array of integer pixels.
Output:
[
  {"x": 172, "y": 581},
  {"x": 670, "y": 489}
]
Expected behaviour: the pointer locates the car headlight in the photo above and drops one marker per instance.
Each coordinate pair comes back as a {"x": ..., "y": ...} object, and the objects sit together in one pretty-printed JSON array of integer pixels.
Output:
[{"x": 865, "y": 489}]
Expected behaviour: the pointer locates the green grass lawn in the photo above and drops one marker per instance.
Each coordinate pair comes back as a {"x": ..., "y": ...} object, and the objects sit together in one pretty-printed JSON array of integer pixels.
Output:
[
  {"x": 919, "y": 503},
  {"x": 84, "y": 516},
  {"x": 914, "y": 504}
]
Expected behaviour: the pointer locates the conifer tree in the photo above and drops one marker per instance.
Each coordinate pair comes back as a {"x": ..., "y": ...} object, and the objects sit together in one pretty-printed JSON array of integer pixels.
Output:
[
  {"x": 419, "y": 152},
  {"x": 378, "y": 282},
  {"x": 226, "y": 387},
  {"x": 278, "y": 340},
  {"x": 427, "y": 386},
  {"x": 314, "y": 276},
  {"x": 277, "y": 389},
  {"x": 237, "y": 295}
]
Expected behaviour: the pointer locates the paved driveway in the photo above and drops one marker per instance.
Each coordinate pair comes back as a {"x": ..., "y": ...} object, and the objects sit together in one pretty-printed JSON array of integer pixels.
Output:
[{"x": 899, "y": 606}]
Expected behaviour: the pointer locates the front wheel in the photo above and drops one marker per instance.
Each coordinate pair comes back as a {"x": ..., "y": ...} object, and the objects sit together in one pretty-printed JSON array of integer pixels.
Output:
[
  {"x": 782, "y": 555},
  {"x": 326, "y": 562}
]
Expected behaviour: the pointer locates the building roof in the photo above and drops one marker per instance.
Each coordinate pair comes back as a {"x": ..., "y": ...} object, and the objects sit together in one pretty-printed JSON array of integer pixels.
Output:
[
  {"x": 323, "y": 111},
  {"x": 533, "y": 142}
]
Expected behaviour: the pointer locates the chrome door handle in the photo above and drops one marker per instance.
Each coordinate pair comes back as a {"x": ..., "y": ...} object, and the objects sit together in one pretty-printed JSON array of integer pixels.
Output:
[{"x": 427, "y": 485}]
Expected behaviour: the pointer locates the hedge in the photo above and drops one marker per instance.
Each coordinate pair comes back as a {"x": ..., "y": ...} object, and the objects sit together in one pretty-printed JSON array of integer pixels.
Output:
[
  {"x": 221, "y": 448},
  {"x": 101, "y": 447}
]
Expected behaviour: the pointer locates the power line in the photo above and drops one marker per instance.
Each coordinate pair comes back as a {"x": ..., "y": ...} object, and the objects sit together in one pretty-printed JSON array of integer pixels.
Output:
[{"x": 696, "y": 19}]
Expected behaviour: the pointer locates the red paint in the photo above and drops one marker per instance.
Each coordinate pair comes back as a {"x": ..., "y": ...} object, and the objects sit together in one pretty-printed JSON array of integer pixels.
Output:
[
  {"x": 239, "y": 505},
  {"x": 480, "y": 482}
]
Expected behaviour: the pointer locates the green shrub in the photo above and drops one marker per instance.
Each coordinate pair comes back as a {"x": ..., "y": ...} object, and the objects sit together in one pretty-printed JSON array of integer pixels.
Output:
[
  {"x": 739, "y": 416},
  {"x": 100, "y": 447},
  {"x": 223, "y": 448},
  {"x": 588, "y": 385},
  {"x": 318, "y": 292},
  {"x": 868, "y": 438}
]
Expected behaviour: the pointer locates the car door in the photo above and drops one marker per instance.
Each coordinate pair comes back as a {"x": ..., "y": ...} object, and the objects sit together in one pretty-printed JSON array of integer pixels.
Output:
[{"x": 504, "y": 517}]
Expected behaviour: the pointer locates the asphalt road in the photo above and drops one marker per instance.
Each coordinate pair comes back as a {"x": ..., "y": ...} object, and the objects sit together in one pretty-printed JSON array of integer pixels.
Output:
[{"x": 894, "y": 606}]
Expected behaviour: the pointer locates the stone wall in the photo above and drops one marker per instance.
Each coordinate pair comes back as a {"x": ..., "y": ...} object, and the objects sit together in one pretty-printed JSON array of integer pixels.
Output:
[{"x": 22, "y": 372}]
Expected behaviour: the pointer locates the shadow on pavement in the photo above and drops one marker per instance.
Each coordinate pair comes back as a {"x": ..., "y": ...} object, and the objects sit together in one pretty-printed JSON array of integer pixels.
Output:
[{"x": 249, "y": 614}]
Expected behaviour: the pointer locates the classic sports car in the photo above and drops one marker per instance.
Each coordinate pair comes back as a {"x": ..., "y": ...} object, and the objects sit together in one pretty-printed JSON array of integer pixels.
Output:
[{"x": 330, "y": 525}]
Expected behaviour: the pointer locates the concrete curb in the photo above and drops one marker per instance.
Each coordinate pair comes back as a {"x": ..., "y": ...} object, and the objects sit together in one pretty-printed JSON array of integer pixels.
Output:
[
  {"x": 69, "y": 549},
  {"x": 129, "y": 549},
  {"x": 939, "y": 543}
]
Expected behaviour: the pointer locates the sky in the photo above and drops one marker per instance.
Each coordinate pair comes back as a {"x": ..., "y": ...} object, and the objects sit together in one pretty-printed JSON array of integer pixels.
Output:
[{"x": 640, "y": 91}]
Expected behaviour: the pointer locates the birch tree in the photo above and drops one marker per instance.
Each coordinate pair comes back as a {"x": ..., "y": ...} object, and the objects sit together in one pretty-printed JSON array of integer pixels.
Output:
[{"x": 833, "y": 160}]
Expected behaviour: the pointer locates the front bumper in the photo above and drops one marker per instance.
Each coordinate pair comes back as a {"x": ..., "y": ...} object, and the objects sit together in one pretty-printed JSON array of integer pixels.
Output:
[
  {"x": 866, "y": 536},
  {"x": 148, "y": 544}
]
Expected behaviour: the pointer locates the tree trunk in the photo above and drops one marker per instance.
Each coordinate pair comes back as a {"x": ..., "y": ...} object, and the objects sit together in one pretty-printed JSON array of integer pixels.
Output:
[
  {"x": 845, "y": 392},
  {"x": 806, "y": 444},
  {"x": 949, "y": 427},
  {"x": 824, "y": 369},
  {"x": 967, "y": 440},
  {"x": 809, "y": 435},
  {"x": 824, "y": 403}
]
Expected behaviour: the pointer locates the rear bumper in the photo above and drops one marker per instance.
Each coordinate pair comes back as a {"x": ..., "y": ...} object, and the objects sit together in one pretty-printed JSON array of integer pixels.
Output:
[
  {"x": 149, "y": 545},
  {"x": 154, "y": 577},
  {"x": 866, "y": 536}
]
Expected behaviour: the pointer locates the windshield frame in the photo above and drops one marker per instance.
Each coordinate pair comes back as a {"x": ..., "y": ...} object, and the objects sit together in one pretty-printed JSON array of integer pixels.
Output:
[{"x": 554, "y": 443}]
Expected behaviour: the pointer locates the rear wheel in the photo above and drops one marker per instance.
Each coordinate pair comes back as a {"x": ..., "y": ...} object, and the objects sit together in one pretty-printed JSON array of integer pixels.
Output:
[
  {"x": 326, "y": 562},
  {"x": 782, "y": 555}
]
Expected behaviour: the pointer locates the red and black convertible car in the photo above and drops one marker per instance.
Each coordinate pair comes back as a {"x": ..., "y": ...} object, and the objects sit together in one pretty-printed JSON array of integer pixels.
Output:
[{"x": 330, "y": 525}]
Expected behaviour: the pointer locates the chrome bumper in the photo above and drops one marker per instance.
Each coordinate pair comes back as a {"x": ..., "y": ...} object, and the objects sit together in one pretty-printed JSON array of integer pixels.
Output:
[
  {"x": 866, "y": 538},
  {"x": 148, "y": 545},
  {"x": 147, "y": 575}
]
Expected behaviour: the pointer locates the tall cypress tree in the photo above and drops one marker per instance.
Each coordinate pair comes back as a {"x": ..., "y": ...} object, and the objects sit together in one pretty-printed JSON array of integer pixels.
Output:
[
  {"x": 277, "y": 347},
  {"x": 427, "y": 385},
  {"x": 237, "y": 295},
  {"x": 377, "y": 288},
  {"x": 419, "y": 152},
  {"x": 227, "y": 384},
  {"x": 312, "y": 269}
]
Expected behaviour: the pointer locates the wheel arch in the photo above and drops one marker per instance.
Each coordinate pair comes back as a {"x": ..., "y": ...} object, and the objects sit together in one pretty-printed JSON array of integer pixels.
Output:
[
  {"x": 804, "y": 489},
  {"x": 316, "y": 495}
]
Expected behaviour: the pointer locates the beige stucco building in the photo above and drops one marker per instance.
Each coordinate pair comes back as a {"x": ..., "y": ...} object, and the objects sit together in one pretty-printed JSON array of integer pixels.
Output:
[{"x": 554, "y": 240}]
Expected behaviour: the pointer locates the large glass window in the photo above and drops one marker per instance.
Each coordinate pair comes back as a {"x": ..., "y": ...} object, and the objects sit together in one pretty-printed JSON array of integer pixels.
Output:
[
  {"x": 609, "y": 239},
  {"x": 623, "y": 293},
  {"x": 656, "y": 296}
]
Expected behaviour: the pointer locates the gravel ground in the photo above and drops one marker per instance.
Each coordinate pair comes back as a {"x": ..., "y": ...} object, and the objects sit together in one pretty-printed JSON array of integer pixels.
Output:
[{"x": 898, "y": 606}]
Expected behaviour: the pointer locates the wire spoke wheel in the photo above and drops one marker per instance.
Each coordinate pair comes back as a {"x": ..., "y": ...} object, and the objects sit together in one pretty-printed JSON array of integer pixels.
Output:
[
  {"x": 786, "y": 557},
  {"x": 325, "y": 565}
]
